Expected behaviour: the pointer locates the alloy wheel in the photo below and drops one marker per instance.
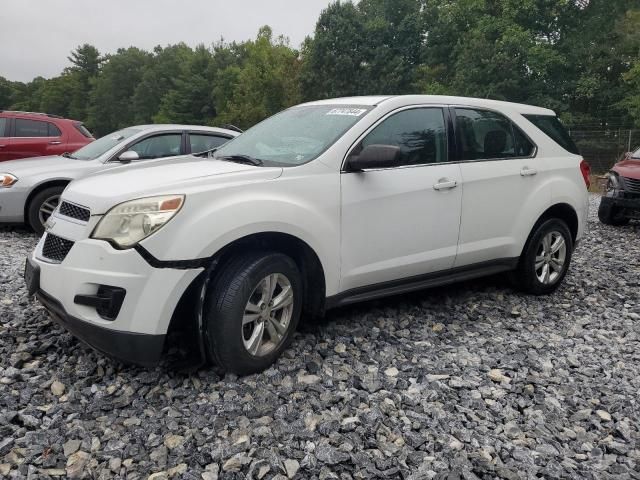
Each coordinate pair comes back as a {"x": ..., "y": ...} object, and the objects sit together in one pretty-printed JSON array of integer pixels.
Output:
[
  {"x": 47, "y": 208},
  {"x": 267, "y": 315},
  {"x": 550, "y": 258}
]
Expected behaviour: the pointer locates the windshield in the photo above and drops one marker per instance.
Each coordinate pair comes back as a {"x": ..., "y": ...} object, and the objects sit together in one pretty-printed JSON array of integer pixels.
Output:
[
  {"x": 295, "y": 136},
  {"x": 94, "y": 149},
  {"x": 636, "y": 154}
]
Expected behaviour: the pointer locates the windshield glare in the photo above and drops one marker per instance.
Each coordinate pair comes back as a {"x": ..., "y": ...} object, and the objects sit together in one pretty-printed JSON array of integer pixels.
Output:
[
  {"x": 94, "y": 149},
  {"x": 636, "y": 154},
  {"x": 295, "y": 136}
]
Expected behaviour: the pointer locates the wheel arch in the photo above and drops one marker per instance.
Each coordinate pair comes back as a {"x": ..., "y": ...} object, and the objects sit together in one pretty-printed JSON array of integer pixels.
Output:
[
  {"x": 562, "y": 211},
  {"x": 185, "y": 315},
  {"x": 39, "y": 188}
]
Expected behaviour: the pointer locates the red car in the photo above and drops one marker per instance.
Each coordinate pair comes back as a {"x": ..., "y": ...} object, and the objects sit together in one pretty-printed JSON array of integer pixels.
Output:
[
  {"x": 27, "y": 134},
  {"x": 621, "y": 201}
]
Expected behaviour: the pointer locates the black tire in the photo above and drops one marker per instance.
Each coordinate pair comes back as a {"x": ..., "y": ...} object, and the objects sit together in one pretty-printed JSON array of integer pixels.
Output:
[
  {"x": 526, "y": 276},
  {"x": 225, "y": 304},
  {"x": 33, "y": 211},
  {"x": 610, "y": 215}
]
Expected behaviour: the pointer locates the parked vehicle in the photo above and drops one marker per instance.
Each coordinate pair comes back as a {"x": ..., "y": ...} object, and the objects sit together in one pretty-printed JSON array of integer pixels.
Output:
[
  {"x": 324, "y": 204},
  {"x": 30, "y": 189},
  {"x": 30, "y": 134},
  {"x": 621, "y": 200}
]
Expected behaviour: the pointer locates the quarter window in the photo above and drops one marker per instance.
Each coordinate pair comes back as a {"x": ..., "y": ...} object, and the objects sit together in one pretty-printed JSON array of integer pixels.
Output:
[
  {"x": 202, "y": 143},
  {"x": 158, "y": 146},
  {"x": 31, "y": 128},
  {"x": 420, "y": 133},
  {"x": 486, "y": 135}
]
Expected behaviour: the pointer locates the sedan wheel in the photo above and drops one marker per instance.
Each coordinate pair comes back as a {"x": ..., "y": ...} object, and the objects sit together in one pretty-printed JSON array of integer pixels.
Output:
[{"x": 47, "y": 208}]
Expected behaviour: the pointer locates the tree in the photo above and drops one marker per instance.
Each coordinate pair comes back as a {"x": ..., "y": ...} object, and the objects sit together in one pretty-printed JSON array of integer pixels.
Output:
[
  {"x": 86, "y": 61},
  {"x": 111, "y": 99},
  {"x": 265, "y": 82},
  {"x": 190, "y": 101}
]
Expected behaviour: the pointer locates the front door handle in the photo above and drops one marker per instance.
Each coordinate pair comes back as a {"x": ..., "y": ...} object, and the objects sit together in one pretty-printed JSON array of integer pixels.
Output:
[
  {"x": 2, "y": 146},
  {"x": 55, "y": 142},
  {"x": 445, "y": 184},
  {"x": 528, "y": 172}
]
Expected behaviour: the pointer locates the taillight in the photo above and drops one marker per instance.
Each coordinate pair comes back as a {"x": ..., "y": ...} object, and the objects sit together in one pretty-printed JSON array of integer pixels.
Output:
[{"x": 586, "y": 172}]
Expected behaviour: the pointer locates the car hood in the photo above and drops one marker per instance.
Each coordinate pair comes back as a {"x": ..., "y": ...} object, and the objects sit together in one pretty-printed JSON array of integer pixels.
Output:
[
  {"x": 629, "y": 168},
  {"x": 102, "y": 191},
  {"x": 48, "y": 166}
]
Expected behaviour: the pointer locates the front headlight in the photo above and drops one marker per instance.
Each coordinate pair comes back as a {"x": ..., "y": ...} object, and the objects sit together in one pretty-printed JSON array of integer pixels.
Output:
[
  {"x": 613, "y": 183},
  {"x": 129, "y": 223},
  {"x": 7, "y": 180}
]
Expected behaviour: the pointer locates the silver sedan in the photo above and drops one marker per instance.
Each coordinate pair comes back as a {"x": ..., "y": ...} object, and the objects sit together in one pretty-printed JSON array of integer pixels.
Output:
[{"x": 30, "y": 189}]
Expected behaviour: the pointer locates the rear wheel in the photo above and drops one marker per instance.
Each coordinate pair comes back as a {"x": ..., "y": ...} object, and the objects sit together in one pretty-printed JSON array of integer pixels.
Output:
[
  {"x": 610, "y": 215},
  {"x": 546, "y": 258},
  {"x": 42, "y": 206},
  {"x": 252, "y": 311}
]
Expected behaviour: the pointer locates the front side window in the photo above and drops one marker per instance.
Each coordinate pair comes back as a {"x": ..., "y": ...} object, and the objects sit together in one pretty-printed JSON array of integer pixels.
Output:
[
  {"x": 158, "y": 146},
  {"x": 203, "y": 143},
  {"x": 31, "y": 128},
  {"x": 420, "y": 133},
  {"x": 485, "y": 135},
  {"x": 3, "y": 126},
  {"x": 295, "y": 136}
]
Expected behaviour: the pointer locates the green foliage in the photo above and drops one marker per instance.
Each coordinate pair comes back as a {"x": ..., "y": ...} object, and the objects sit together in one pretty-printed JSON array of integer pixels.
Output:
[{"x": 578, "y": 57}]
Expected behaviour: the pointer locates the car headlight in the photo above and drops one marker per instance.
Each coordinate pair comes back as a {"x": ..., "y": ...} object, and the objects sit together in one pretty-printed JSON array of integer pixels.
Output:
[
  {"x": 613, "y": 183},
  {"x": 129, "y": 223},
  {"x": 7, "y": 180}
]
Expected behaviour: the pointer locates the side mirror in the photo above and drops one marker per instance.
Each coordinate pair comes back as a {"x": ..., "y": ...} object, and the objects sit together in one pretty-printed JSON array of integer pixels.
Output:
[
  {"x": 374, "y": 156},
  {"x": 128, "y": 156}
]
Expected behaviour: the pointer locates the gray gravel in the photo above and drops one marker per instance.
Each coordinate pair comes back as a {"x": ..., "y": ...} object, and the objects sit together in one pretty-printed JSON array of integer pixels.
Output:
[{"x": 471, "y": 381}]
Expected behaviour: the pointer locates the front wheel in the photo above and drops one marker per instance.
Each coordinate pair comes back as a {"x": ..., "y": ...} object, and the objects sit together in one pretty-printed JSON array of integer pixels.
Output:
[
  {"x": 42, "y": 206},
  {"x": 546, "y": 258},
  {"x": 252, "y": 311}
]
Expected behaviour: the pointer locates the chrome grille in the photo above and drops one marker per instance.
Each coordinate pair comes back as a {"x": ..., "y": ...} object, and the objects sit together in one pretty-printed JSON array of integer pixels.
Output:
[
  {"x": 74, "y": 211},
  {"x": 631, "y": 185},
  {"x": 56, "y": 248}
]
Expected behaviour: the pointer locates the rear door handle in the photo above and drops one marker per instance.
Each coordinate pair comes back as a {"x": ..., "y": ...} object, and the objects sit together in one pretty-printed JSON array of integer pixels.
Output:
[
  {"x": 528, "y": 172},
  {"x": 445, "y": 184},
  {"x": 55, "y": 142}
]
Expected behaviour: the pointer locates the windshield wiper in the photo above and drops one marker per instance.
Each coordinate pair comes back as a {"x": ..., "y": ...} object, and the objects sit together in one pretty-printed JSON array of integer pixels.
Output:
[
  {"x": 68, "y": 155},
  {"x": 247, "y": 159},
  {"x": 206, "y": 153}
]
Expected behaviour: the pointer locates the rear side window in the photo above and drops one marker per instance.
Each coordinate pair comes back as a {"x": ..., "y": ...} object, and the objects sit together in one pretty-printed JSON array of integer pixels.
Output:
[
  {"x": 3, "y": 126},
  {"x": 202, "y": 143},
  {"x": 83, "y": 130},
  {"x": 485, "y": 135},
  {"x": 53, "y": 130},
  {"x": 552, "y": 127},
  {"x": 31, "y": 128}
]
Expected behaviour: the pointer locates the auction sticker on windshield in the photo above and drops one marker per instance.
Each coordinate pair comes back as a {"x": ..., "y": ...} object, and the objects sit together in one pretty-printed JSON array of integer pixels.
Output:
[{"x": 351, "y": 112}]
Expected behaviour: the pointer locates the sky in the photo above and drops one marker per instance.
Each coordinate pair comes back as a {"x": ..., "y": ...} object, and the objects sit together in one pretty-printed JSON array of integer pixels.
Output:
[{"x": 36, "y": 36}]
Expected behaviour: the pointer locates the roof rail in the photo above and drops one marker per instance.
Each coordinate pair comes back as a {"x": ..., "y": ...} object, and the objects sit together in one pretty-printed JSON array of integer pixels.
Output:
[{"x": 31, "y": 113}]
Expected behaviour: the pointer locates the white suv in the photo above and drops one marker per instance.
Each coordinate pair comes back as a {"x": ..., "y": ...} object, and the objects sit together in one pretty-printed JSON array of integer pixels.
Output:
[{"x": 322, "y": 205}]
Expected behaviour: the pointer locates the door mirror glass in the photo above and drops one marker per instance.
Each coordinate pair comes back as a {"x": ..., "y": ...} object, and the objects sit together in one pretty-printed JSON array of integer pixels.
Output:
[
  {"x": 375, "y": 156},
  {"x": 128, "y": 156}
]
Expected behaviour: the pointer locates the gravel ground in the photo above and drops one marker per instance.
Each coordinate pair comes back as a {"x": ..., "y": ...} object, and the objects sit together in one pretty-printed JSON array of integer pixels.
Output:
[{"x": 471, "y": 381}]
